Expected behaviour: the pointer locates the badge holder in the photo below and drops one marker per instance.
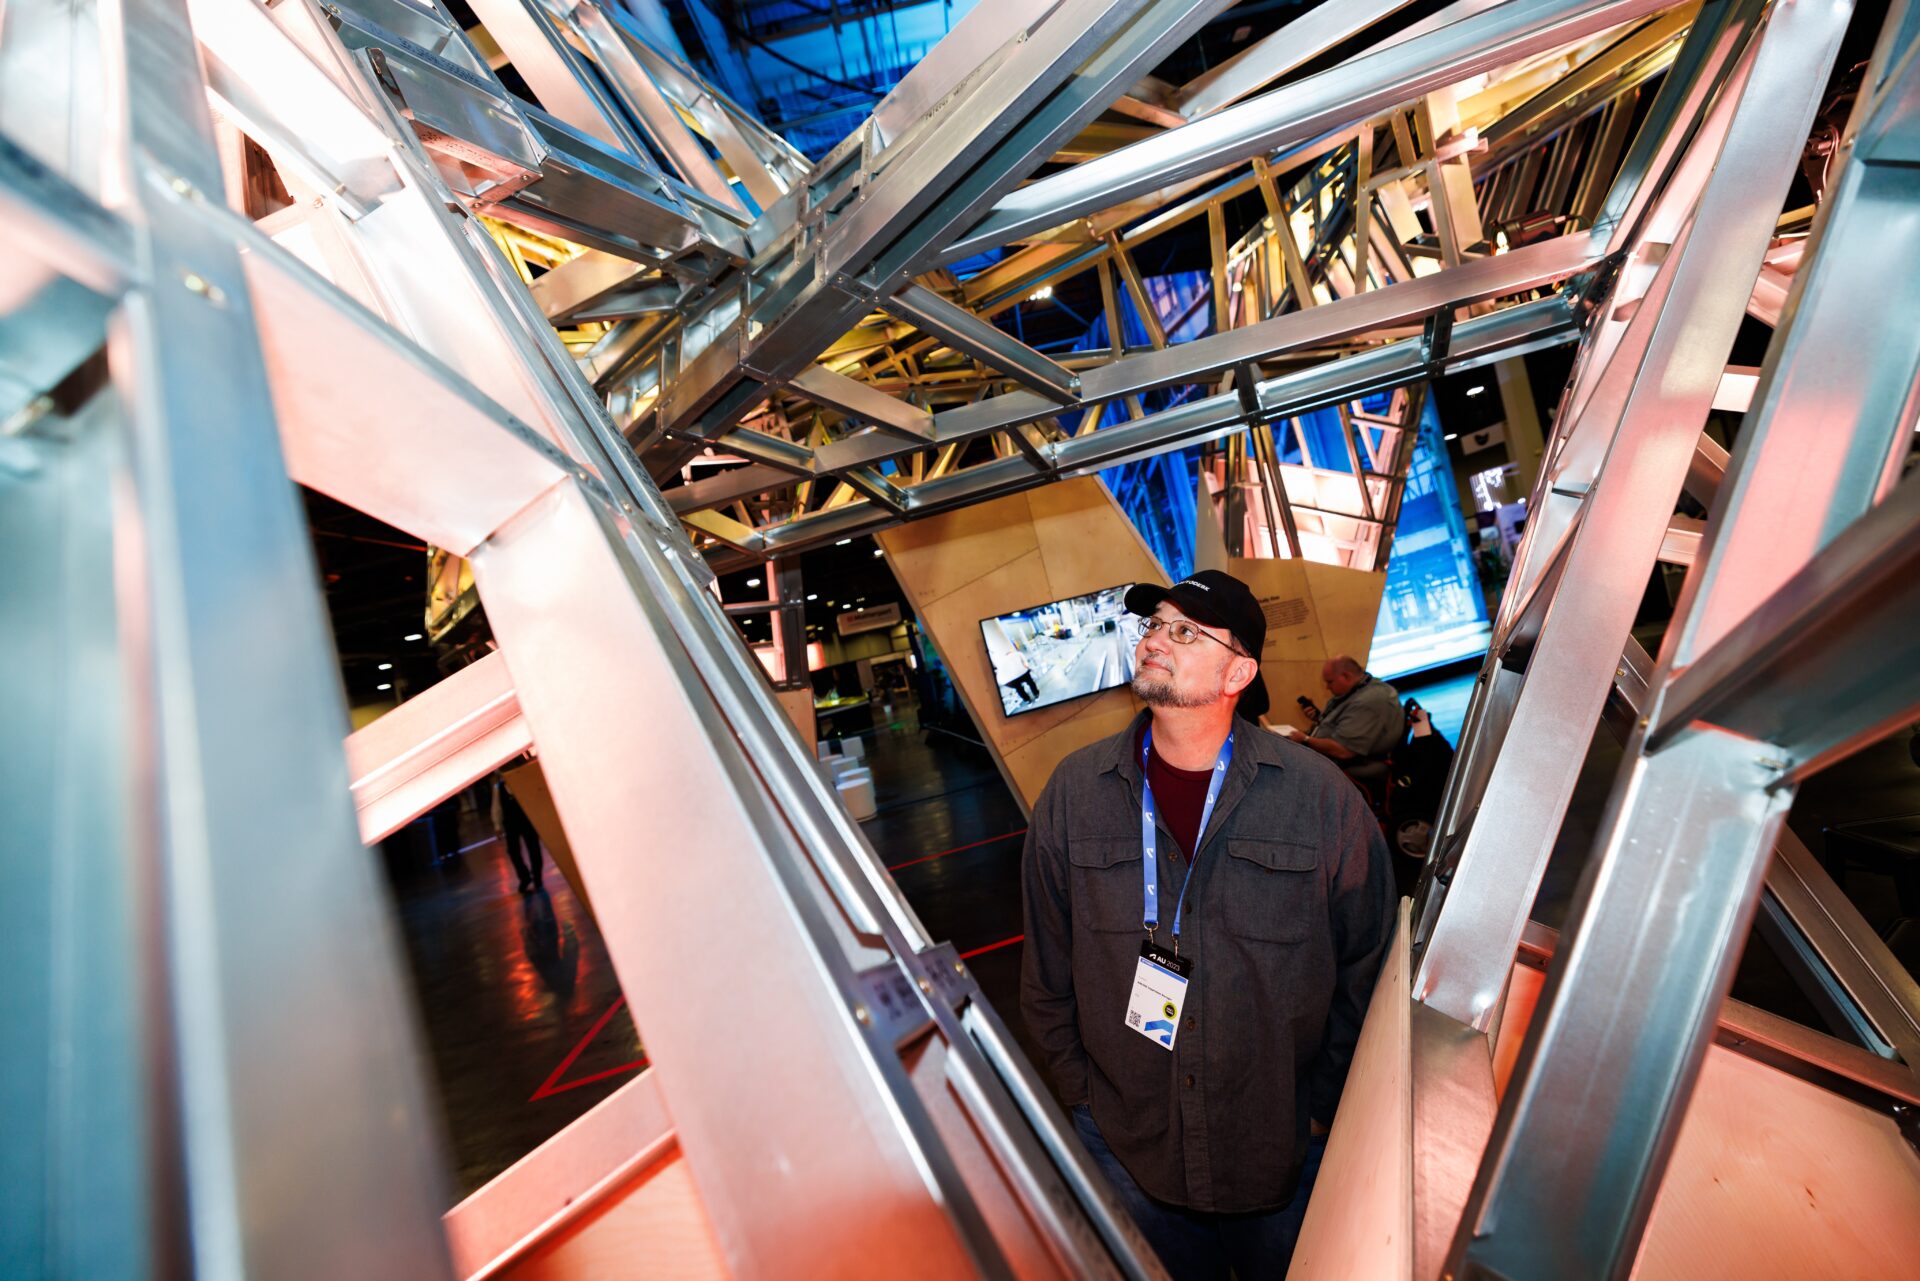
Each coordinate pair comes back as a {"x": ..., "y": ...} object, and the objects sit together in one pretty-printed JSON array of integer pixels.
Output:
[
  {"x": 1159, "y": 993},
  {"x": 1160, "y": 977}
]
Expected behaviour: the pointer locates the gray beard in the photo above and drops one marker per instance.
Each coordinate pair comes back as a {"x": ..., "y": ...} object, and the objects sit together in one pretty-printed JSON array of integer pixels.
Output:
[{"x": 1159, "y": 692}]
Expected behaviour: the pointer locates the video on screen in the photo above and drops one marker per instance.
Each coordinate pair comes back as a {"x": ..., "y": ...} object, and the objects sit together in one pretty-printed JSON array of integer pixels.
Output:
[{"x": 1061, "y": 650}]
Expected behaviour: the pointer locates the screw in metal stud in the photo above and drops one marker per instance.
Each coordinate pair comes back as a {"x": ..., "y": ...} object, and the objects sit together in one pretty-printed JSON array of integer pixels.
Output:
[{"x": 198, "y": 284}]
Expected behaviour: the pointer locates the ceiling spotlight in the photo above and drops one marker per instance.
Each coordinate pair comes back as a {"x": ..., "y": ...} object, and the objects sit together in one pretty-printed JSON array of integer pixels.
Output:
[
  {"x": 1041, "y": 294},
  {"x": 383, "y": 687},
  {"x": 1476, "y": 389},
  {"x": 386, "y": 667},
  {"x": 411, "y": 636},
  {"x": 753, "y": 582},
  {"x": 843, "y": 542},
  {"x": 878, "y": 552},
  {"x": 1453, "y": 435},
  {"x": 813, "y": 595}
]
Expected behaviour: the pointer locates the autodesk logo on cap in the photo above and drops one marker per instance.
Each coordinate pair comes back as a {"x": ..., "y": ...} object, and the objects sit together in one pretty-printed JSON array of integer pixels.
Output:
[{"x": 1188, "y": 582}]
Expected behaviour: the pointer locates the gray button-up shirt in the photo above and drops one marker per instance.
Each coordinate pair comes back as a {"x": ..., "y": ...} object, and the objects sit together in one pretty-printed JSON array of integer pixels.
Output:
[
  {"x": 1367, "y": 720},
  {"x": 1287, "y": 920}
]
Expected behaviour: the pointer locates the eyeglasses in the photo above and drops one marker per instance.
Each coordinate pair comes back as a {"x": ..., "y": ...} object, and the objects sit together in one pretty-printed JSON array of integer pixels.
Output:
[{"x": 1181, "y": 632}]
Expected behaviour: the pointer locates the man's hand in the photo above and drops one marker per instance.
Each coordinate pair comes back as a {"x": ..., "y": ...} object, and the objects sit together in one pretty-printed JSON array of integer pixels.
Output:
[{"x": 1288, "y": 731}]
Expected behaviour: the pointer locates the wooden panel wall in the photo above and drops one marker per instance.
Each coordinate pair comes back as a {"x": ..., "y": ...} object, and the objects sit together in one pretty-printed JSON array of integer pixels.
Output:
[
  {"x": 1313, "y": 612},
  {"x": 1776, "y": 1179},
  {"x": 1071, "y": 538},
  {"x": 1773, "y": 1178},
  {"x": 608, "y": 1196},
  {"x": 1060, "y": 540},
  {"x": 1359, "y": 1224}
]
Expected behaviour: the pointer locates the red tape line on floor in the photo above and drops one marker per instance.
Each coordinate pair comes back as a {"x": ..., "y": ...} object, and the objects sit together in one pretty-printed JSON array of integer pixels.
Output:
[
  {"x": 993, "y": 947},
  {"x": 928, "y": 858},
  {"x": 552, "y": 1086}
]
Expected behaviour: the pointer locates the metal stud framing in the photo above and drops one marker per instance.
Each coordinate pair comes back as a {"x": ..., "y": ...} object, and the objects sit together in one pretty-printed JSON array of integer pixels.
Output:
[{"x": 1470, "y": 189}]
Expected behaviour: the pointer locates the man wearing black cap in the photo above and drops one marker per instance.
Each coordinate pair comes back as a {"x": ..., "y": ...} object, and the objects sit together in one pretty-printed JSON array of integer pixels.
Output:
[{"x": 1207, "y": 906}]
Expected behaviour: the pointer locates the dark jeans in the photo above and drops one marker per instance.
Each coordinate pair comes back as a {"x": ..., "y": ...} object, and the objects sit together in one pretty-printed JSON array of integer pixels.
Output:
[
  {"x": 518, "y": 833},
  {"x": 1207, "y": 1247}
]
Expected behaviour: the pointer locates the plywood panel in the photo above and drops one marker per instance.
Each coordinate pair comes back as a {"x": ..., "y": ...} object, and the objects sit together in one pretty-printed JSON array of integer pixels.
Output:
[
  {"x": 1347, "y": 603},
  {"x": 1031, "y": 763},
  {"x": 1063, "y": 517},
  {"x": 654, "y": 1227},
  {"x": 1313, "y": 612},
  {"x": 1772, "y": 1179},
  {"x": 798, "y": 705},
  {"x": 1293, "y": 623},
  {"x": 1287, "y": 680},
  {"x": 957, "y": 568},
  {"x": 1775, "y": 1179},
  {"x": 945, "y": 553},
  {"x": 954, "y": 623},
  {"x": 1359, "y": 1224}
]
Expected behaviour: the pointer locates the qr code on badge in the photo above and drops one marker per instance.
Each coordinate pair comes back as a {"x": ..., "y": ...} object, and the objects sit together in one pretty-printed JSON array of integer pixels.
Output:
[{"x": 1133, "y": 1019}]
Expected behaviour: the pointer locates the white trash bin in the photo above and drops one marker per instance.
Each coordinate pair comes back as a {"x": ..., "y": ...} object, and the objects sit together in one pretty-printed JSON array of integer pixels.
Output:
[{"x": 856, "y": 792}]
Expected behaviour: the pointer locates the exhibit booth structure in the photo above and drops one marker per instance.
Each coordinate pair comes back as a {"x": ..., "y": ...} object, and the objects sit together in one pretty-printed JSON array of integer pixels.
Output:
[{"x": 255, "y": 246}]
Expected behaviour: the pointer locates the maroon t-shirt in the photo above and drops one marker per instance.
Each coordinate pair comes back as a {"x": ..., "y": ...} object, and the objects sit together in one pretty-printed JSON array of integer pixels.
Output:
[{"x": 1180, "y": 795}]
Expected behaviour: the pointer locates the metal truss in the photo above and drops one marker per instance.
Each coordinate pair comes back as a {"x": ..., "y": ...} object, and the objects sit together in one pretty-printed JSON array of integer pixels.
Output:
[
  {"x": 766, "y": 364},
  {"x": 322, "y": 241},
  {"x": 1797, "y": 577}
]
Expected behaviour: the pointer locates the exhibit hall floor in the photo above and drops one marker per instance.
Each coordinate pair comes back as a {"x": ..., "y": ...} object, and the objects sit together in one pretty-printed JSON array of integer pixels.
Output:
[
  {"x": 525, "y": 1024},
  {"x": 527, "y": 1030}
]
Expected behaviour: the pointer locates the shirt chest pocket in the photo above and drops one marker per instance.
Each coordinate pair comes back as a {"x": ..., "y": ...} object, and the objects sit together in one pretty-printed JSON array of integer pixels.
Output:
[
  {"x": 1271, "y": 889},
  {"x": 1107, "y": 892}
]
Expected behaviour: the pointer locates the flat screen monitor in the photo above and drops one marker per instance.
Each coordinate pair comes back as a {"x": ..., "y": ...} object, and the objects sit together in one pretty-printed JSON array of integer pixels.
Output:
[{"x": 1061, "y": 650}]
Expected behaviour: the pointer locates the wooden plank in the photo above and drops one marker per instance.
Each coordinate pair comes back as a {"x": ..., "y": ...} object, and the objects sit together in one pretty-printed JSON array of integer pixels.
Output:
[
  {"x": 1010, "y": 553},
  {"x": 1359, "y": 1225}
]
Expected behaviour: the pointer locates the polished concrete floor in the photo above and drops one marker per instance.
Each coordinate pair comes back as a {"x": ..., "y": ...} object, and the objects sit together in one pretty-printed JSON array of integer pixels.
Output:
[
  {"x": 524, "y": 1022},
  {"x": 525, "y": 1025}
]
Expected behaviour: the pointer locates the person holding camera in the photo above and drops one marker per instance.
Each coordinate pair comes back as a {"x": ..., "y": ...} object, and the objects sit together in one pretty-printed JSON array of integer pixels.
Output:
[{"x": 1361, "y": 724}]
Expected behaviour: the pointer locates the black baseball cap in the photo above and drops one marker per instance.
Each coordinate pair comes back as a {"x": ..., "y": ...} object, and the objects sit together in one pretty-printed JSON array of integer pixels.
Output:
[{"x": 1219, "y": 600}]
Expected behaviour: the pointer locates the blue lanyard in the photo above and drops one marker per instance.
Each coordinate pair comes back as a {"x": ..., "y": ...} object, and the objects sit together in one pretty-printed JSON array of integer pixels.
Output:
[{"x": 1149, "y": 838}]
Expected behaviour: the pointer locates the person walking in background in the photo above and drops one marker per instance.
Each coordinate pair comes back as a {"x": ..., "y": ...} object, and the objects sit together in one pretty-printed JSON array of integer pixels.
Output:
[{"x": 517, "y": 834}]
